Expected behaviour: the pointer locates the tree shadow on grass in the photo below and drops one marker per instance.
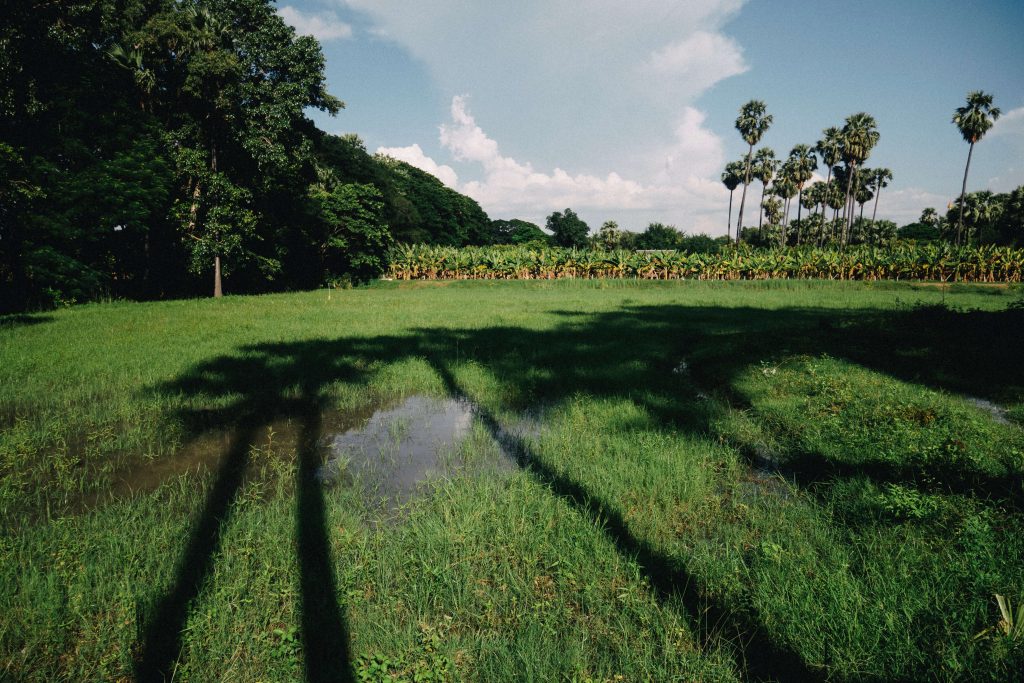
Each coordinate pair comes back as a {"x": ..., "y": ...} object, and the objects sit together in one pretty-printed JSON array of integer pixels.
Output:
[
  {"x": 634, "y": 353},
  {"x": 13, "y": 320},
  {"x": 269, "y": 389}
]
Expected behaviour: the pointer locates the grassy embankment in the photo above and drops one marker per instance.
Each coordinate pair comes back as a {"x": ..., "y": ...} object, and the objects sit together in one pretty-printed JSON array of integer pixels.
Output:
[{"x": 634, "y": 540}]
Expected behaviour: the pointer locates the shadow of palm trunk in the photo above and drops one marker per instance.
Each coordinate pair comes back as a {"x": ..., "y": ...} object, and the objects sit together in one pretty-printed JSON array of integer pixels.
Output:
[
  {"x": 324, "y": 631},
  {"x": 161, "y": 644},
  {"x": 761, "y": 659}
]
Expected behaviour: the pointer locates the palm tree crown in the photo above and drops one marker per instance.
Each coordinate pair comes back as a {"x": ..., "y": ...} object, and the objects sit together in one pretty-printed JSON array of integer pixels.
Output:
[
  {"x": 859, "y": 136},
  {"x": 752, "y": 124},
  {"x": 976, "y": 117}
]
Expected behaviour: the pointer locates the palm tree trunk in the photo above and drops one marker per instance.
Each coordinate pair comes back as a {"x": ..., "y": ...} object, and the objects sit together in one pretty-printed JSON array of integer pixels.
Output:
[
  {"x": 862, "y": 210},
  {"x": 728, "y": 224},
  {"x": 828, "y": 179},
  {"x": 760, "y": 214},
  {"x": 848, "y": 207},
  {"x": 963, "y": 193},
  {"x": 874, "y": 213},
  {"x": 743, "y": 199},
  {"x": 799, "y": 206}
]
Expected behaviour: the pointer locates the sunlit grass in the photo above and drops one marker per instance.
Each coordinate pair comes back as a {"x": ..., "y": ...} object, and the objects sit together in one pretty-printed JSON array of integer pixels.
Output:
[{"x": 636, "y": 540}]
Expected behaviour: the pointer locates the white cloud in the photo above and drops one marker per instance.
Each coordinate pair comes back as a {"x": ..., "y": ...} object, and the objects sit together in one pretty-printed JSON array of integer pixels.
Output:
[
  {"x": 323, "y": 27},
  {"x": 511, "y": 188},
  {"x": 565, "y": 82},
  {"x": 414, "y": 156},
  {"x": 697, "y": 62},
  {"x": 1010, "y": 123},
  {"x": 905, "y": 206},
  {"x": 696, "y": 151}
]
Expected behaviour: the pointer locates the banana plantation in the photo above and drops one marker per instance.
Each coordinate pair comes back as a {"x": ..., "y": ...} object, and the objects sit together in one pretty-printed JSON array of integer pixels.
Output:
[{"x": 933, "y": 262}]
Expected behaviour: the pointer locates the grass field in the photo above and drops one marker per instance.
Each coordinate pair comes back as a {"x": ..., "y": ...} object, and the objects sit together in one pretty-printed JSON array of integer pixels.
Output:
[{"x": 727, "y": 481}]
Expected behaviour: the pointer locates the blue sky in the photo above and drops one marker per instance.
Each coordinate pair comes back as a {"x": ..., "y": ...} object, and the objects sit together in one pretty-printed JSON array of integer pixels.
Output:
[{"x": 626, "y": 112}]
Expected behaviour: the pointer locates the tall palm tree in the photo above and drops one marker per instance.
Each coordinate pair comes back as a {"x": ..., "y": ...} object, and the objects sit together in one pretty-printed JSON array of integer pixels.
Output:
[
  {"x": 804, "y": 164},
  {"x": 973, "y": 119},
  {"x": 752, "y": 123},
  {"x": 863, "y": 194},
  {"x": 785, "y": 189},
  {"x": 765, "y": 166},
  {"x": 859, "y": 136},
  {"x": 879, "y": 179},
  {"x": 830, "y": 148},
  {"x": 731, "y": 178}
]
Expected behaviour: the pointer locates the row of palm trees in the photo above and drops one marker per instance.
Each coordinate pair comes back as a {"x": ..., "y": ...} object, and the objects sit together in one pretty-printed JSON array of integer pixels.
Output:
[
  {"x": 788, "y": 178},
  {"x": 843, "y": 152}
]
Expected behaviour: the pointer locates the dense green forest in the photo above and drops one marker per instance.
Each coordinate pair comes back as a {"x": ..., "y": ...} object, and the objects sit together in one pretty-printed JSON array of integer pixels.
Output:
[{"x": 148, "y": 146}]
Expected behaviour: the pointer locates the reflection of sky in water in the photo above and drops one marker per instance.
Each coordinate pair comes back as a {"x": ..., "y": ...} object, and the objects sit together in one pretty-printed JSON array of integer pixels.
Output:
[{"x": 400, "y": 447}]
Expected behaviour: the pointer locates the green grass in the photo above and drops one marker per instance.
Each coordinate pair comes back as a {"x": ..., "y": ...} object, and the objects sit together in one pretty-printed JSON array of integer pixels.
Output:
[{"x": 755, "y": 480}]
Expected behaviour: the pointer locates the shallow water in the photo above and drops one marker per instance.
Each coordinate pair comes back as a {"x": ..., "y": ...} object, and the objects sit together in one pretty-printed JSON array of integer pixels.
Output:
[
  {"x": 399, "y": 449},
  {"x": 388, "y": 449}
]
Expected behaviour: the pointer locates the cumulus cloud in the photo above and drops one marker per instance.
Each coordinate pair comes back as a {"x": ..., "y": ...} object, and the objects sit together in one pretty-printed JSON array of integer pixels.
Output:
[
  {"x": 325, "y": 26},
  {"x": 414, "y": 156},
  {"x": 905, "y": 206},
  {"x": 510, "y": 187},
  {"x": 565, "y": 82},
  {"x": 697, "y": 62},
  {"x": 1010, "y": 124}
]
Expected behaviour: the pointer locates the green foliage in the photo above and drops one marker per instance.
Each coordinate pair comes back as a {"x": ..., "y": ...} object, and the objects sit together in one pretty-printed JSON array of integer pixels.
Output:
[
  {"x": 567, "y": 229},
  {"x": 516, "y": 231},
  {"x": 355, "y": 240},
  {"x": 658, "y": 236},
  {"x": 903, "y": 261}
]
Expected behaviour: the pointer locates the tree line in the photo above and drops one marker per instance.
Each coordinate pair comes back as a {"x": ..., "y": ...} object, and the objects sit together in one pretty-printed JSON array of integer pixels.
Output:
[
  {"x": 160, "y": 148},
  {"x": 836, "y": 206}
]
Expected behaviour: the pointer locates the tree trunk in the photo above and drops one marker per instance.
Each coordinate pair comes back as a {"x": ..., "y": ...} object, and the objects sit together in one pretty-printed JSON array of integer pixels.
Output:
[
  {"x": 963, "y": 194},
  {"x": 828, "y": 179},
  {"x": 799, "y": 206},
  {"x": 760, "y": 213},
  {"x": 878, "y": 193},
  {"x": 217, "y": 291},
  {"x": 743, "y": 199},
  {"x": 847, "y": 209},
  {"x": 728, "y": 225}
]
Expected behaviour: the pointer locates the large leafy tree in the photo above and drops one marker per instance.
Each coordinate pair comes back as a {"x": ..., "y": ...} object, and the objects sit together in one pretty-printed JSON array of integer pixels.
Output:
[
  {"x": 659, "y": 236},
  {"x": 973, "y": 120},
  {"x": 567, "y": 229},
  {"x": 752, "y": 123}
]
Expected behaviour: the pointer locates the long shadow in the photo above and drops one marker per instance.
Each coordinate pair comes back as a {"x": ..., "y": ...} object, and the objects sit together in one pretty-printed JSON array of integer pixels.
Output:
[
  {"x": 269, "y": 389},
  {"x": 763, "y": 659},
  {"x": 161, "y": 643},
  {"x": 13, "y": 320},
  {"x": 324, "y": 630},
  {"x": 632, "y": 353}
]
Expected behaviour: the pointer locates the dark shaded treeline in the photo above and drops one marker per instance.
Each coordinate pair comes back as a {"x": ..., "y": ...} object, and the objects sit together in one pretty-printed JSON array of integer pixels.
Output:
[{"x": 147, "y": 146}]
